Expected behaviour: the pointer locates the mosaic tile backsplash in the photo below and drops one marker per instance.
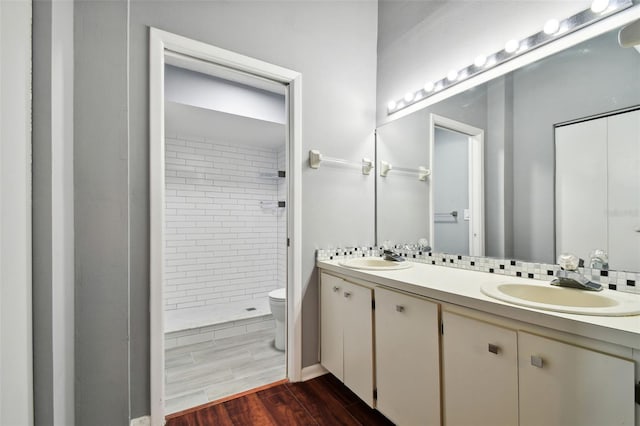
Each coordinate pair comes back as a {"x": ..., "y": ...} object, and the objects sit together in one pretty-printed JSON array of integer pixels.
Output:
[{"x": 614, "y": 280}]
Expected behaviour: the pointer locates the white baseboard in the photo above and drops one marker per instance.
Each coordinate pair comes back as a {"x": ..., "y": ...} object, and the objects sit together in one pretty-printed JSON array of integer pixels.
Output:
[
  {"x": 313, "y": 371},
  {"x": 141, "y": 421}
]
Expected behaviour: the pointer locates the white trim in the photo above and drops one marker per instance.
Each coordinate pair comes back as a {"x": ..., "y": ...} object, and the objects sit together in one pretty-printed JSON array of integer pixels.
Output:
[
  {"x": 476, "y": 180},
  {"x": 156, "y": 219},
  {"x": 294, "y": 225},
  {"x": 160, "y": 42},
  {"x": 313, "y": 371},
  {"x": 16, "y": 346},
  {"x": 586, "y": 33}
]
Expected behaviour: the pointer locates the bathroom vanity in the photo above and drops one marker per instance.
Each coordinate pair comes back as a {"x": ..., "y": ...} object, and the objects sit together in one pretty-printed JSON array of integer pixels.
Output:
[{"x": 425, "y": 346}]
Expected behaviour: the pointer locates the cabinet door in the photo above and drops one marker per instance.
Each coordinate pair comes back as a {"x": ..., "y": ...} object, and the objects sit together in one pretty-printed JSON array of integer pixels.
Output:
[
  {"x": 407, "y": 358},
  {"x": 562, "y": 384},
  {"x": 331, "y": 339},
  {"x": 358, "y": 341},
  {"x": 480, "y": 373}
]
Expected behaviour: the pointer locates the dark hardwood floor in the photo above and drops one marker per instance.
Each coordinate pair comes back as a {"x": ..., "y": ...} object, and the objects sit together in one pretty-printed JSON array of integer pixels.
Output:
[{"x": 320, "y": 401}]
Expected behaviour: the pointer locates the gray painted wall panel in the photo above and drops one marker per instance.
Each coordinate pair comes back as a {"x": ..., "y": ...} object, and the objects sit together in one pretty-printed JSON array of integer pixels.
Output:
[
  {"x": 41, "y": 215},
  {"x": 101, "y": 213}
]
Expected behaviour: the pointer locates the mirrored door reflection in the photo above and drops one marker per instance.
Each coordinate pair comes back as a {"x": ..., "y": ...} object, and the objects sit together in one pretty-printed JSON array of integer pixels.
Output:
[{"x": 451, "y": 197}]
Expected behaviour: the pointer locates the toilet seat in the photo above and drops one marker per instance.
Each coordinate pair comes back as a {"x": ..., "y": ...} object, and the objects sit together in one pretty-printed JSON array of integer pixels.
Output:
[{"x": 279, "y": 294}]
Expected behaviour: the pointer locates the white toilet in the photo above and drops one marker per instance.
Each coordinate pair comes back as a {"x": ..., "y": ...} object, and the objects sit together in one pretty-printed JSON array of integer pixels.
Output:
[{"x": 278, "y": 305}]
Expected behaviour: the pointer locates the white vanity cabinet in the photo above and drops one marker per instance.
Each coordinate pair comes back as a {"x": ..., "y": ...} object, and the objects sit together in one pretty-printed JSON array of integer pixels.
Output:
[
  {"x": 346, "y": 334},
  {"x": 563, "y": 384},
  {"x": 496, "y": 375},
  {"x": 479, "y": 372},
  {"x": 407, "y": 358},
  {"x": 440, "y": 359}
]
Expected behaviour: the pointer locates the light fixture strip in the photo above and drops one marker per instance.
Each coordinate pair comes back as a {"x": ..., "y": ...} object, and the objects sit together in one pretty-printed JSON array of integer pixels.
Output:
[{"x": 566, "y": 26}]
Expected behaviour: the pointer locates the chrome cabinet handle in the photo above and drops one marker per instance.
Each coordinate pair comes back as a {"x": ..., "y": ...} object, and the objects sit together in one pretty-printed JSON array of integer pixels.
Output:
[
  {"x": 347, "y": 294},
  {"x": 399, "y": 308},
  {"x": 537, "y": 361},
  {"x": 336, "y": 288},
  {"x": 494, "y": 349}
]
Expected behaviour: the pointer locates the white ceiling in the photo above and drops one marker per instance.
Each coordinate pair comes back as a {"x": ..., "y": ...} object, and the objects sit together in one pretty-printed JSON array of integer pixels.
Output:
[{"x": 189, "y": 121}]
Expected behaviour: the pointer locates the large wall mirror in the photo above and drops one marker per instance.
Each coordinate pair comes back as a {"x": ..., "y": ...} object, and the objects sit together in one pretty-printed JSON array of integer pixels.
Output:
[{"x": 518, "y": 114}]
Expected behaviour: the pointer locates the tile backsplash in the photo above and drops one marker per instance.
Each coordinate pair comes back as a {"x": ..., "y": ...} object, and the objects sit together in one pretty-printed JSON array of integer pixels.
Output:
[{"x": 614, "y": 280}]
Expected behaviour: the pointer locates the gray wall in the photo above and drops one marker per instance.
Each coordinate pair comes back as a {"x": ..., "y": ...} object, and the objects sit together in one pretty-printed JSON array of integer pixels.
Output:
[
  {"x": 498, "y": 162},
  {"x": 107, "y": 348},
  {"x": 331, "y": 43},
  {"x": 52, "y": 210}
]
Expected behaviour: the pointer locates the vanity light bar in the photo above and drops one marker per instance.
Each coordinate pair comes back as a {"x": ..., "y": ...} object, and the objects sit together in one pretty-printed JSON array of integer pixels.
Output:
[{"x": 553, "y": 29}]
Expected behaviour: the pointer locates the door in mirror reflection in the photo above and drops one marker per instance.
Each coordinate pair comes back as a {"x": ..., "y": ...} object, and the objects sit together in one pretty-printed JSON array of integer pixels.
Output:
[
  {"x": 598, "y": 188},
  {"x": 451, "y": 191},
  {"x": 457, "y": 187}
]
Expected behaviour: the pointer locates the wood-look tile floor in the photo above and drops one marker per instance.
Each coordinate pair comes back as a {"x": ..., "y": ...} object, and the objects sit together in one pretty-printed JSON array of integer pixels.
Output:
[
  {"x": 320, "y": 401},
  {"x": 203, "y": 372}
]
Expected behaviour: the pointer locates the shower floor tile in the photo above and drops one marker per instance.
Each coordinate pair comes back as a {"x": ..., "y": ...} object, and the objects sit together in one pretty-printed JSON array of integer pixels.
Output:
[{"x": 202, "y": 372}]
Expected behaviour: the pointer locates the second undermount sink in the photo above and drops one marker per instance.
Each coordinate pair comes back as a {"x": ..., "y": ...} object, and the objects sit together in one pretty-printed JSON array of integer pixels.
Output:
[
  {"x": 569, "y": 300},
  {"x": 374, "y": 263}
]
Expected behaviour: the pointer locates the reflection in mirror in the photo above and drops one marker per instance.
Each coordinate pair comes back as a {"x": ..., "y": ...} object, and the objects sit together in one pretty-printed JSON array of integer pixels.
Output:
[
  {"x": 402, "y": 206},
  {"x": 451, "y": 192},
  {"x": 457, "y": 219},
  {"x": 518, "y": 112},
  {"x": 603, "y": 197}
]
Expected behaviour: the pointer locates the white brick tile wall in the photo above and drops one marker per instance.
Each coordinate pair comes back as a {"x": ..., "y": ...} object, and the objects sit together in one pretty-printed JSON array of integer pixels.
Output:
[{"x": 221, "y": 245}]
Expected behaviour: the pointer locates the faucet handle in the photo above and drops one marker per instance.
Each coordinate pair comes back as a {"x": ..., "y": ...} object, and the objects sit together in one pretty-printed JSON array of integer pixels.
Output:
[
  {"x": 598, "y": 259},
  {"x": 569, "y": 262}
]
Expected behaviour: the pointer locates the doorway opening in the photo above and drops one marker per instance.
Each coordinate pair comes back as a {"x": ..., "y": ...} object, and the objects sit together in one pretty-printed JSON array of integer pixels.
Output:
[
  {"x": 225, "y": 206},
  {"x": 457, "y": 187},
  {"x": 225, "y": 234}
]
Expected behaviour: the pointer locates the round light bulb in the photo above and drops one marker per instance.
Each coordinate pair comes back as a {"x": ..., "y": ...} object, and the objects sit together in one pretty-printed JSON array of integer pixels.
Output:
[
  {"x": 408, "y": 97},
  {"x": 391, "y": 105},
  {"x": 551, "y": 26},
  {"x": 511, "y": 46},
  {"x": 599, "y": 6},
  {"x": 453, "y": 75},
  {"x": 480, "y": 61},
  {"x": 428, "y": 86}
]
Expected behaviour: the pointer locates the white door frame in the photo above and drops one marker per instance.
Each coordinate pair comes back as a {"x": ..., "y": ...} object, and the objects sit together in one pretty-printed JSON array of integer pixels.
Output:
[
  {"x": 16, "y": 348},
  {"x": 476, "y": 179},
  {"x": 159, "y": 43}
]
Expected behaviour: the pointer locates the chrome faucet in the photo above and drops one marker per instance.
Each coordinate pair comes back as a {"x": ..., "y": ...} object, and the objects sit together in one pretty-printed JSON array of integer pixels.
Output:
[
  {"x": 569, "y": 276},
  {"x": 392, "y": 255}
]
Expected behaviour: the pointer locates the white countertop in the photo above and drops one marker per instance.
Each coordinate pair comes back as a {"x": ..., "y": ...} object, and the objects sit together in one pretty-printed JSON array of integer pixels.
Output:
[{"x": 462, "y": 287}]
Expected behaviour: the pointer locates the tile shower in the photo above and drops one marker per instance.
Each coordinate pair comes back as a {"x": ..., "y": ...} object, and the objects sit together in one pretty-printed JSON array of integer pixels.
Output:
[{"x": 224, "y": 252}]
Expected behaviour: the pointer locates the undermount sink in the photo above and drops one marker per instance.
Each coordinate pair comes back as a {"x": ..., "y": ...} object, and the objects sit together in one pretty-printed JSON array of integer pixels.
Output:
[
  {"x": 569, "y": 300},
  {"x": 374, "y": 263}
]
